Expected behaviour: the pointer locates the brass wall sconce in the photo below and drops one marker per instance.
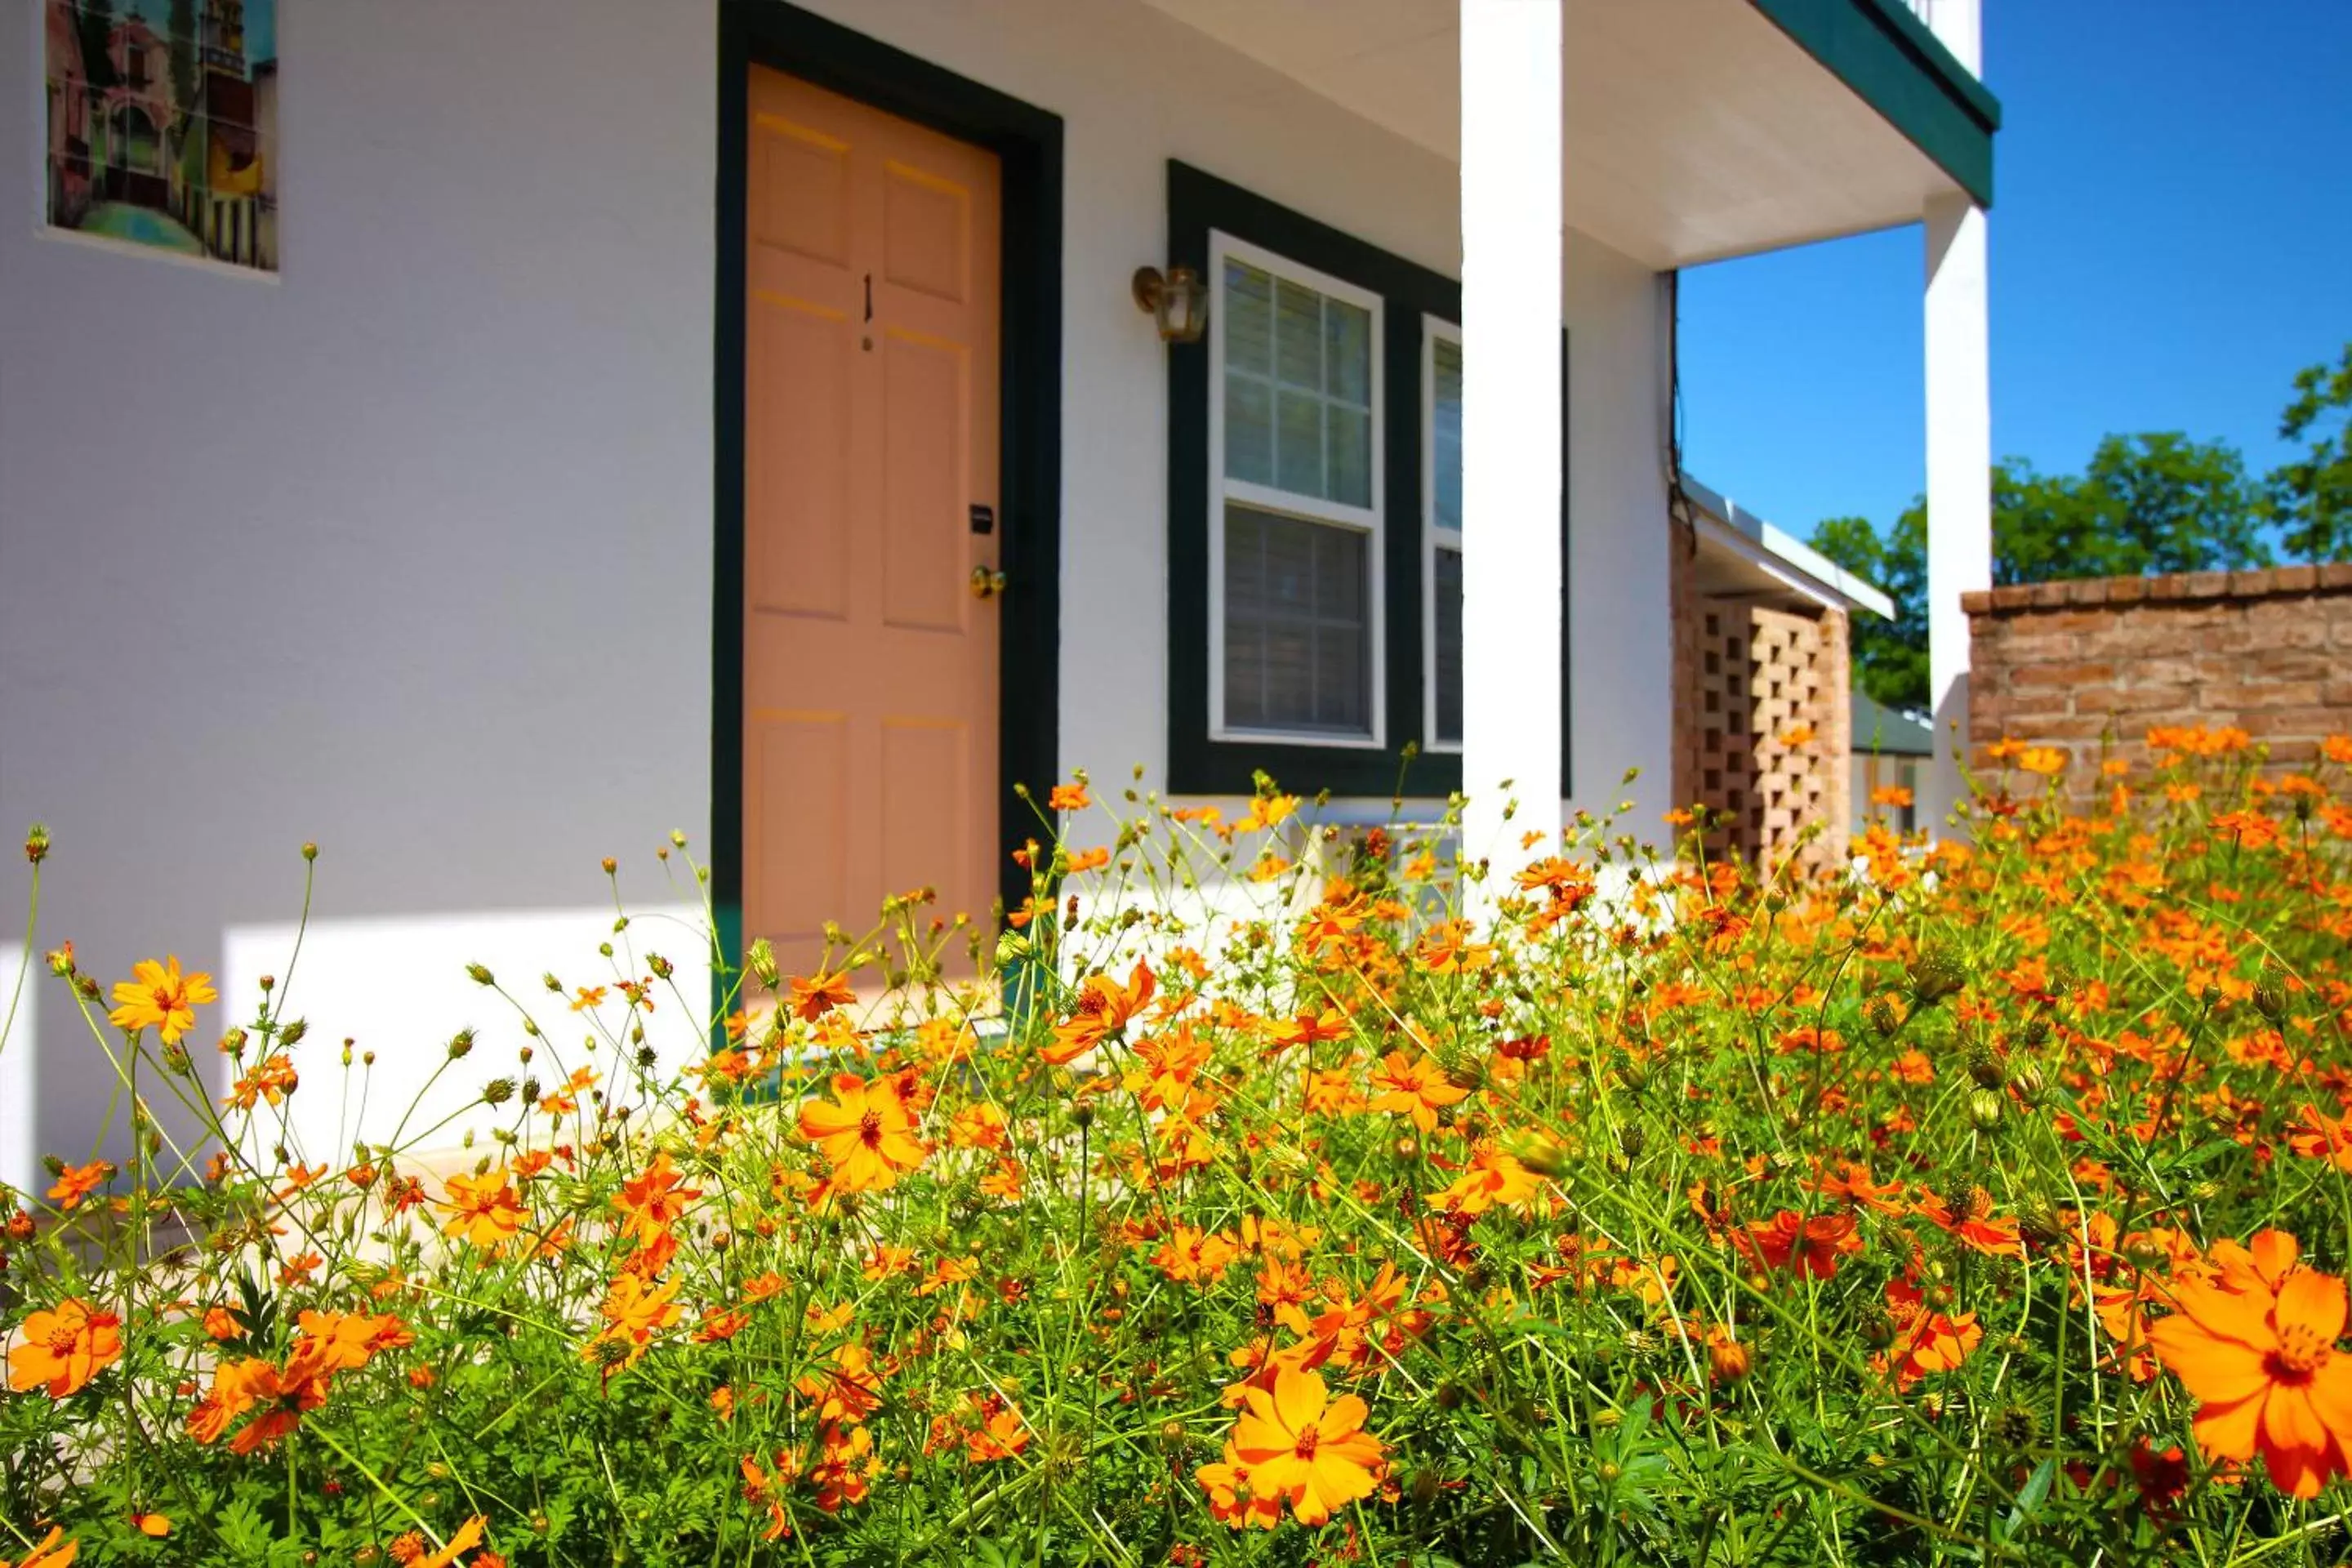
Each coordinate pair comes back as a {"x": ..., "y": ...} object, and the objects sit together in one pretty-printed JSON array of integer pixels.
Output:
[{"x": 1178, "y": 302}]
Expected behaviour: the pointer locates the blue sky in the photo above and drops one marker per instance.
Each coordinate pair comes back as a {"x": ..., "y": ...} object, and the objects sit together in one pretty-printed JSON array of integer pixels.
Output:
[{"x": 2171, "y": 239}]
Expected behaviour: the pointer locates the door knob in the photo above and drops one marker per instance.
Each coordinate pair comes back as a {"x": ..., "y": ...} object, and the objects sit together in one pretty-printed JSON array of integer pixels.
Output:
[{"x": 986, "y": 583}]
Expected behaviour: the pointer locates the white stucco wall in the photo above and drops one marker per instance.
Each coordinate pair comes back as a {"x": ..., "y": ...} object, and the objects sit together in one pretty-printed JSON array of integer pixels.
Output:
[{"x": 409, "y": 551}]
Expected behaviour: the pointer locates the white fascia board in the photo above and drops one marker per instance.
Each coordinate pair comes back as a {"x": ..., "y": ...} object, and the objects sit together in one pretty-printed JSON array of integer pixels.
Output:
[{"x": 1785, "y": 556}]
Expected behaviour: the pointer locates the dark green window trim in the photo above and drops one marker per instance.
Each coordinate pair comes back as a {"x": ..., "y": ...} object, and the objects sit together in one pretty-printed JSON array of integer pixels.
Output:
[
  {"x": 1896, "y": 63},
  {"x": 1028, "y": 141},
  {"x": 1197, "y": 203}
]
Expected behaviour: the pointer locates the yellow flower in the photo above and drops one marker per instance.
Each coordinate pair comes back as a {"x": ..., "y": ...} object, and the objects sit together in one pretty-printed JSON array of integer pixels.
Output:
[
  {"x": 1299, "y": 1444},
  {"x": 161, "y": 997},
  {"x": 483, "y": 1209},
  {"x": 865, "y": 1132}
]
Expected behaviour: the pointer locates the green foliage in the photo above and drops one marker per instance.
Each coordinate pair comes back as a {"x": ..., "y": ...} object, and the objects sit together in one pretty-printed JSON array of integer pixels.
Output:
[
  {"x": 1890, "y": 658},
  {"x": 2310, "y": 497},
  {"x": 2155, "y": 502},
  {"x": 2151, "y": 502},
  {"x": 1649, "y": 1212}
]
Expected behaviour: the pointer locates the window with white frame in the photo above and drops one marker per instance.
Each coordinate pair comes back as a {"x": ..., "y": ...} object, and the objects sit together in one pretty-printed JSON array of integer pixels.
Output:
[
  {"x": 1295, "y": 608},
  {"x": 1441, "y": 401}
]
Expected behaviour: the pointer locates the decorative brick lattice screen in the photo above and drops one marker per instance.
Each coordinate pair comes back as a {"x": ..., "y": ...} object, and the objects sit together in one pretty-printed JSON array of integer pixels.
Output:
[
  {"x": 2089, "y": 665},
  {"x": 1750, "y": 678}
]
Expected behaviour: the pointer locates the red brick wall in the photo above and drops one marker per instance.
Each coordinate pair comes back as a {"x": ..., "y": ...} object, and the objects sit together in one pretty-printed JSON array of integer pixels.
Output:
[
  {"x": 1745, "y": 677},
  {"x": 2089, "y": 665}
]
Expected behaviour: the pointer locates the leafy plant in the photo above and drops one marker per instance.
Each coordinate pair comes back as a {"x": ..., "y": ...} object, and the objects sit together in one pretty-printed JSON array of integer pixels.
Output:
[{"x": 1303, "y": 1195}]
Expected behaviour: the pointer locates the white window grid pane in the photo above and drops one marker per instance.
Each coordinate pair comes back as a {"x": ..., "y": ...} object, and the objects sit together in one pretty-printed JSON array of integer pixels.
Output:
[
  {"x": 1296, "y": 433},
  {"x": 1298, "y": 378},
  {"x": 1296, "y": 598}
]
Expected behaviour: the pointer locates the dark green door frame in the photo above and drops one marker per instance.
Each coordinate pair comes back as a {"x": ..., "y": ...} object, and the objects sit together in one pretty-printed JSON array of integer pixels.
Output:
[{"x": 1029, "y": 141}]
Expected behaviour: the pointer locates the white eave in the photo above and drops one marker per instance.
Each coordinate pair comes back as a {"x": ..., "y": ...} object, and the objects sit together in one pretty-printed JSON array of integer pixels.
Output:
[{"x": 1762, "y": 557}]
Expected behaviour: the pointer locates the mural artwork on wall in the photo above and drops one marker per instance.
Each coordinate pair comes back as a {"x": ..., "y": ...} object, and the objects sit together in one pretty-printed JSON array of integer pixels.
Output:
[{"x": 162, "y": 125}]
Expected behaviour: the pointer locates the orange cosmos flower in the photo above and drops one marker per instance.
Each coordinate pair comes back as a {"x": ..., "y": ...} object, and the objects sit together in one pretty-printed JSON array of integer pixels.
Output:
[
  {"x": 1002, "y": 1437},
  {"x": 2047, "y": 760},
  {"x": 342, "y": 1341},
  {"x": 468, "y": 1536},
  {"x": 813, "y": 998},
  {"x": 653, "y": 1201},
  {"x": 1068, "y": 797},
  {"x": 64, "y": 1347},
  {"x": 2258, "y": 1350},
  {"x": 848, "y": 1391},
  {"x": 865, "y": 1132},
  {"x": 1104, "y": 1009},
  {"x": 1728, "y": 1358},
  {"x": 76, "y": 1183},
  {"x": 634, "y": 1314},
  {"x": 54, "y": 1552},
  {"x": 485, "y": 1215},
  {"x": 1810, "y": 1245},
  {"x": 1415, "y": 1089},
  {"x": 1853, "y": 1185},
  {"x": 283, "y": 1396},
  {"x": 1494, "y": 1177},
  {"x": 2319, "y": 1136},
  {"x": 1925, "y": 1341},
  {"x": 161, "y": 997},
  {"x": 1298, "y": 1443}
]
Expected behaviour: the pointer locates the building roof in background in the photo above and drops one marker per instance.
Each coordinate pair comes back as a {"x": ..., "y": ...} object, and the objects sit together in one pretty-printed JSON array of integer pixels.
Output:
[
  {"x": 1889, "y": 731},
  {"x": 1741, "y": 555}
]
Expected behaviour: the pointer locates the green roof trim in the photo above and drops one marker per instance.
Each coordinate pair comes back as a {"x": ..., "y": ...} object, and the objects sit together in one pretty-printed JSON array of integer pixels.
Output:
[{"x": 1889, "y": 57}]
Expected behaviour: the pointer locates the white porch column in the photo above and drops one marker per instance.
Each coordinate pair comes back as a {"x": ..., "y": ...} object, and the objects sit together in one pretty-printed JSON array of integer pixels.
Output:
[
  {"x": 1511, "y": 457},
  {"x": 1958, "y": 26},
  {"x": 1960, "y": 440},
  {"x": 1959, "y": 482}
]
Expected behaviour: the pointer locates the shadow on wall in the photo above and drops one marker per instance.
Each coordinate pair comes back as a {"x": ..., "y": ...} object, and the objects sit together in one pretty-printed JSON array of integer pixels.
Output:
[{"x": 392, "y": 984}]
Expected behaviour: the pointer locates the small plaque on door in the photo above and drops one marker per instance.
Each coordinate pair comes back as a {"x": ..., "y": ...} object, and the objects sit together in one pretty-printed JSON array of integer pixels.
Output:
[{"x": 984, "y": 520}]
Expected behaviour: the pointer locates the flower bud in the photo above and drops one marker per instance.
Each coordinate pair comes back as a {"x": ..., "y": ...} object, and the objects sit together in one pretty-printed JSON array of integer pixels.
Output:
[
  {"x": 461, "y": 1044},
  {"x": 37, "y": 844},
  {"x": 479, "y": 975},
  {"x": 760, "y": 960},
  {"x": 1935, "y": 975},
  {"x": 2270, "y": 999},
  {"x": 1984, "y": 1108}
]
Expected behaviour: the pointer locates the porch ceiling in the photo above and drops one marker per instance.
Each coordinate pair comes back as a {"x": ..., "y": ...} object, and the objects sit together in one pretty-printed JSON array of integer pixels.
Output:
[{"x": 1694, "y": 129}]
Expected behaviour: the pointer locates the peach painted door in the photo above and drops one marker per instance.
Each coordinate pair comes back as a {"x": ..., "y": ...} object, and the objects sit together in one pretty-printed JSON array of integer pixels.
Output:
[{"x": 870, "y": 449}]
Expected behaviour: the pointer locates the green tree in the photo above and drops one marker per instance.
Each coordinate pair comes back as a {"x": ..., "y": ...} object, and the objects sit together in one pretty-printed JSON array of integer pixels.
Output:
[
  {"x": 2049, "y": 525},
  {"x": 2310, "y": 498},
  {"x": 1890, "y": 658},
  {"x": 2177, "y": 506},
  {"x": 2155, "y": 502}
]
